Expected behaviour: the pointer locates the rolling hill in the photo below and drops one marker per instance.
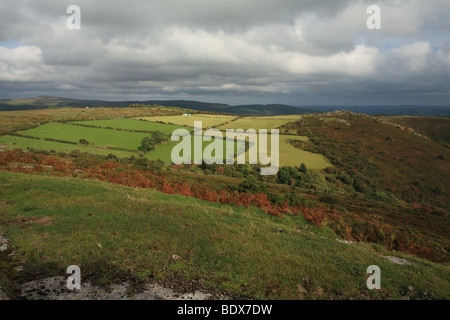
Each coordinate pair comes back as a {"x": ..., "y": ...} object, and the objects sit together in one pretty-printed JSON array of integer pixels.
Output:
[{"x": 56, "y": 102}]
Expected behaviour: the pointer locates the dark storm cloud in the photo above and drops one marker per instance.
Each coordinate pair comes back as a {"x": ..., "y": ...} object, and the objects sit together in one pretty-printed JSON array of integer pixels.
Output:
[{"x": 235, "y": 51}]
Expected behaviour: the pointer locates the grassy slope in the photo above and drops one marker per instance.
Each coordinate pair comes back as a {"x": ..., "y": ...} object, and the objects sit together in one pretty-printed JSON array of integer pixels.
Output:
[
  {"x": 109, "y": 230},
  {"x": 435, "y": 128},
  {"x": 410, "y": 167}
]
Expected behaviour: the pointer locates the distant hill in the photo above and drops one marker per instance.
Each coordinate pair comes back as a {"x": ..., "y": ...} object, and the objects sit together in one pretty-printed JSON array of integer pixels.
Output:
[
  {"x": 402, "y": 110},
  {"x": 57, "y": 102},
  {"x": 44, "y": 102}
]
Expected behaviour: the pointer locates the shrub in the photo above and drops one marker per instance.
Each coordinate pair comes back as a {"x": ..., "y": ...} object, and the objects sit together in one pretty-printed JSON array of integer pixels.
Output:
[
  {"x": 141, "y": 162},
  {"x": 360, "y": 186},
  {"x": 252, "y": 185},
  {"x": 285, "y": 174}
]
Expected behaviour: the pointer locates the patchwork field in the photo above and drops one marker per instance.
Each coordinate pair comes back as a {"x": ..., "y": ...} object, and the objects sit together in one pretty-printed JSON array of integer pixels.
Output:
[
  {"x": 117, "y": 136},
  {"x": 208, "y": 120}
]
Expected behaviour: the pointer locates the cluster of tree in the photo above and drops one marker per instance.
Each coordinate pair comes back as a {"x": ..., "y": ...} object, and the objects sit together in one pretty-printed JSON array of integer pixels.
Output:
[
  {"x": 149, "y": 143},
  {"x": 301, "y": 177}
]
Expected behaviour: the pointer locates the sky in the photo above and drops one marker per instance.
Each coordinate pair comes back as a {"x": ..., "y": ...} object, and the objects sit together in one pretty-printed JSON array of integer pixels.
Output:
[{"x": 297, "y": 52}]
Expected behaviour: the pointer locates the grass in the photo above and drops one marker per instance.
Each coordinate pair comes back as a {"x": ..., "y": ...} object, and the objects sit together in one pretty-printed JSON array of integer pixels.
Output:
[
  {"x": 56, "y": 222},
  {"x": 95, "y": 136},
  {"x": 208, "y": 120}
]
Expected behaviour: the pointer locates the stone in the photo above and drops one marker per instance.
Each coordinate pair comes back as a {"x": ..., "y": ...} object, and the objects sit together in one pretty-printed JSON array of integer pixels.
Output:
[
  {"x": 4, "y": 244},
  {"x": 55, "y": 288},
  {"x": 397, "y": 260}
]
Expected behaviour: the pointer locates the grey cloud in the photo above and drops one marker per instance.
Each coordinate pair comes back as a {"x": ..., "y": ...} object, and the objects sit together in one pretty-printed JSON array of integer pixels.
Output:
[{"x": 282, "y": 51}]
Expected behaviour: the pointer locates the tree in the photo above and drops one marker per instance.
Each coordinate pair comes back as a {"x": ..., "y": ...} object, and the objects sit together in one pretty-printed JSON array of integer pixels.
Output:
[
  {"x": 303, "y": 168},
  {"x": 159, "y": 137},
  {"x": 84, "y": 142},
  {"x": 147, "y": 144},
  {"x": 285, "y": 175},
  {"x": 150, "y": 143},
  {"x": 252, "y": 185}
]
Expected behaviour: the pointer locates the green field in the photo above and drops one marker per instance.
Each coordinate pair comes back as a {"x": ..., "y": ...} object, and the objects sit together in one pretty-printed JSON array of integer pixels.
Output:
[
  {"x": 132, "y": 124},
  {"x": 95, "y": 136},
  {"x": 115, "y": 233},
  {"x": 163, "y": 151},
  {"x": 294, "y": 157},
  {"x": 208, "y": 120}
]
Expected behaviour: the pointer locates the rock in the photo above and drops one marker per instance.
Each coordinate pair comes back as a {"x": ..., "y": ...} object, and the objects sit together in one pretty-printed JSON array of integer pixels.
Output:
[
  {"x": 56, "y": 289},
  {"x": 306, "y": 279},
  {"x": 4, "y": 244},
  {"x": 3, "y": 295},
  {"x": 397, "y": 260},
  {"x": 344, "y": 241}
]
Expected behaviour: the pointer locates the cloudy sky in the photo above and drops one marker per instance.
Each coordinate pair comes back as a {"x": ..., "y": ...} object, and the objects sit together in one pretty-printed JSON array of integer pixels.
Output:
[{"x": 299, "y": 52}]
